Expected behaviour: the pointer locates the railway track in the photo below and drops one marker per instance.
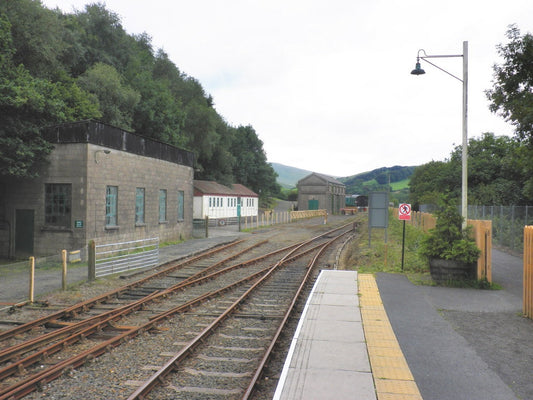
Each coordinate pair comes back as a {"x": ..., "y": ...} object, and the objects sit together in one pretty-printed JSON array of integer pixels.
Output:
[{"x": 218, "y": 315}]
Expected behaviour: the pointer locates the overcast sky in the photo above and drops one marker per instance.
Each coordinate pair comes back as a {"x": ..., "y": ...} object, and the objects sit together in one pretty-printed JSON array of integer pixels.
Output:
[{"x": 327, "y": 84}]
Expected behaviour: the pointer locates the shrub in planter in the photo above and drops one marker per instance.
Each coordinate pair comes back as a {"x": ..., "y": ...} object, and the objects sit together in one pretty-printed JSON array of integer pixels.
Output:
[{"x": 451, "y": 251}]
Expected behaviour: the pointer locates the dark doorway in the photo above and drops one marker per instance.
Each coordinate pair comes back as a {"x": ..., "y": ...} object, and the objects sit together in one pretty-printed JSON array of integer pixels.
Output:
[{"x": 24, "y": 233}]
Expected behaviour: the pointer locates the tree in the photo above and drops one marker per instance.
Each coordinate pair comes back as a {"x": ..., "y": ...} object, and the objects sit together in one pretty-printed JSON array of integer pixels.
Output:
[
  {"x": 430, "y": 180},
  {"x": 251, "y": 168},
  {"x": 116, "y": 99},
  {"x": 26, "y": 105},
  {"x": 37, "y": 37},
  {"x": 512, "y": 94},
  {"x": 59, "y": 67},
  {"x": 102, "y": 38},
  {"x": 497, "y": 168}
]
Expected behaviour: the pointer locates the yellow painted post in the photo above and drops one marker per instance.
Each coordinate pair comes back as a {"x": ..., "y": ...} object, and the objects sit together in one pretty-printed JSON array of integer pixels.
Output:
[
  {"x": 64, "y": 259},
  {"x": 528, "y": 267},
  {"x": 32, "y": 279},
  {"x": 527, "y": 270}
]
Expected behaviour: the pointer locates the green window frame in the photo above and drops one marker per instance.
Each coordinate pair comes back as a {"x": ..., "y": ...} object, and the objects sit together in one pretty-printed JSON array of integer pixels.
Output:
[
  {"x": 58, "y": 204},
  {"x": 162, "y": 205},
  {"x": 111, "y": 206},
  {"x": 139, "y": 205},
  {"x": 181, "y": 205}
]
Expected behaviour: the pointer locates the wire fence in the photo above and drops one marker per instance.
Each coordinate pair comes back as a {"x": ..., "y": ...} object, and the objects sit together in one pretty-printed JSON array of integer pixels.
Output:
[
  {"x": 507, "y": 223},
  {"x": 202, "y": 227}
]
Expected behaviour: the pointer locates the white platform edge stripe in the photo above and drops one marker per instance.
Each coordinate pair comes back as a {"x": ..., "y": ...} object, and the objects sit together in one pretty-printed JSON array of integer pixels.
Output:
[{"x": 285, "y": 371}]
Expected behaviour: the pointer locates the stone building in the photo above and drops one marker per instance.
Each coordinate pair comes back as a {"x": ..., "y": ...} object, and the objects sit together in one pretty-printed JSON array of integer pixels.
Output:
[
  {"x": 100, "y": 183},
  {"x": 321, "y": 192}
]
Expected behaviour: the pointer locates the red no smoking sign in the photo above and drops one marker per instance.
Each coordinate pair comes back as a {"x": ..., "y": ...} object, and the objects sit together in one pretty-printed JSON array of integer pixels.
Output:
[{"x": 404, "y": 212}]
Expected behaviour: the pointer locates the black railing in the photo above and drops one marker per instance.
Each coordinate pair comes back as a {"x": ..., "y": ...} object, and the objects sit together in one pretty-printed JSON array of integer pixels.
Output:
[{"x": 106, "y": 135}]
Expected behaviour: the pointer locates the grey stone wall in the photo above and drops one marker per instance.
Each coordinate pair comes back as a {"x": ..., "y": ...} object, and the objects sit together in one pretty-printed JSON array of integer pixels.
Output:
[
  {"x": 89, "y": 170},
  {"x": 330, "y": 196},
  {"x": 127, "y": 172}
]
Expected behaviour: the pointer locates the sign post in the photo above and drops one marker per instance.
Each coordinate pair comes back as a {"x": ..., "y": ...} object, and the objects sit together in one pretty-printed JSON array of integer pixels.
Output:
[
  {"x": 378, "y": 215},
  {"x": 404, "y": 214}
]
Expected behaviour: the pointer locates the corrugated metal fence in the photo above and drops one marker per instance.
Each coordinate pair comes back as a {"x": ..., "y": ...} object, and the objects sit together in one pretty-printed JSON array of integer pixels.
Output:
[{"x": 120, "y": 257}]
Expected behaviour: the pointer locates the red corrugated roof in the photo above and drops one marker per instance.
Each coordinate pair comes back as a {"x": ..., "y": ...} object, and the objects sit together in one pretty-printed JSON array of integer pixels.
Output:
[
  {"x": 242, "y": 190},
  {"x": 214, "y": 188}
]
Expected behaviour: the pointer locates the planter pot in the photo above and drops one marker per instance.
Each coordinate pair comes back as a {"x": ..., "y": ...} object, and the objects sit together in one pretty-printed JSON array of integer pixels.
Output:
[{"x": 451, "y": 270}]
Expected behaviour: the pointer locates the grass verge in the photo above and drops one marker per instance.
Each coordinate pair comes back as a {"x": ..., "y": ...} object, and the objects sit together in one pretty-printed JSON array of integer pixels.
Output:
[{"x": 387, "y": 257}]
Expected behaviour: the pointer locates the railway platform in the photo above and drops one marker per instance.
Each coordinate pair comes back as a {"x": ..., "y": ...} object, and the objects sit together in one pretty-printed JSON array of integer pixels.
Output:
[{"x": 344, "y": 346}]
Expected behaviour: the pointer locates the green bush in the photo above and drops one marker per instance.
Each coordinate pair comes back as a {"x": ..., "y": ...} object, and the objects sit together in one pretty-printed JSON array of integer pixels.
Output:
[{"x": 447, "y": 240}]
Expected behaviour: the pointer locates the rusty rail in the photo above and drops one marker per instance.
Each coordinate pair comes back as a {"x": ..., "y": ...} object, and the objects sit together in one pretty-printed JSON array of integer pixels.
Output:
[
  {"x": 174, "y": 362},
  {"x": 85, "y": 305},
  {"x": 29, "y": 384},
  {"x": 259, "y": 370}
]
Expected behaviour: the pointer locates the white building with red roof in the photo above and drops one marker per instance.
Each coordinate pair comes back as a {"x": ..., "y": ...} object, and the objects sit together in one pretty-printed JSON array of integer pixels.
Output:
[{"x": 214, "y": 200}]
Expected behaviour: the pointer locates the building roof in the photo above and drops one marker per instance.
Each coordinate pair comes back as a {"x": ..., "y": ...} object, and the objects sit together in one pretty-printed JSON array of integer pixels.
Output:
[
  {"x": 325, "y": 178},
  {"x": 242, "y": 190},
  {"x": 211, "y": 187},
  {"x": 214, "y": 188}
]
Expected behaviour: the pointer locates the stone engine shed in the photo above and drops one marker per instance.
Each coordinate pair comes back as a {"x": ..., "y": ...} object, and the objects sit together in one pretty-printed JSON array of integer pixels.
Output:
[
  {"x": 100, "y": 183},
  {"x": 321, "y": 192}
]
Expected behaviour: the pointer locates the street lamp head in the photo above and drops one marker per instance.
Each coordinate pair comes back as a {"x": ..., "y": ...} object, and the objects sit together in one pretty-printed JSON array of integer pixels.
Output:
[{"x": 418, "y": 69}]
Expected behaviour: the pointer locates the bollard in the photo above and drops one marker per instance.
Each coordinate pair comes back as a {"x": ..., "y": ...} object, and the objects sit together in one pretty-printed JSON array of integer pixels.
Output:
[
  {"x": 64, "y": 279},
  {"x": 32, "y": 278}
]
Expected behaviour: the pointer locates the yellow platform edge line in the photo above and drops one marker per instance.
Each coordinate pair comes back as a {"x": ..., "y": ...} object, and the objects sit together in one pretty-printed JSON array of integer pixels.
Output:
[{"x": 392, "y": 364}]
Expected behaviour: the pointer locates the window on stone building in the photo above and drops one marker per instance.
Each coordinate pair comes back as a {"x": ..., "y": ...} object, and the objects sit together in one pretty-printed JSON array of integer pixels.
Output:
[
  {"x": 57, "y": 204},
  {"x": 162, "y": 205},
  {"x": 111, "y": 206},
  {"x": 181, "y": 205},
  {"x": 139, "y": 206}
]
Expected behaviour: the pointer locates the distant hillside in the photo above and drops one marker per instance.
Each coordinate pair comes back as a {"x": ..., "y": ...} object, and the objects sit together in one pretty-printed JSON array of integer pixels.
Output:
[
  {"x": 378, "y": 179},
  {"x": 288, "y": 177},
  {"x": 361, "y": 183}
]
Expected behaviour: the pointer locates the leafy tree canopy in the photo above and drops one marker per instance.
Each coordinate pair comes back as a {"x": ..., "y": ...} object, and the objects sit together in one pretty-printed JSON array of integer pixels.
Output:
[
  {"x": 28, "y": 103},
  {"x": 57, "y": 67},
  {"x": 512, "y": 94},
  {"x": 496, "y": 172}
]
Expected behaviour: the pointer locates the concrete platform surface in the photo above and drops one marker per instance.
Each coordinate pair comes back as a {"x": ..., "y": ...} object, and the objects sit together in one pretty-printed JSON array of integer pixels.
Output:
[{"x": 328, "y": 358}]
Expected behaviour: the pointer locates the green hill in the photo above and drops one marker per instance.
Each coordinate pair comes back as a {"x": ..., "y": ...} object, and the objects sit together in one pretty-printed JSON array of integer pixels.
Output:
[
  {"x": 377, "y": 179},
  {"x": 288, "y": 177}
]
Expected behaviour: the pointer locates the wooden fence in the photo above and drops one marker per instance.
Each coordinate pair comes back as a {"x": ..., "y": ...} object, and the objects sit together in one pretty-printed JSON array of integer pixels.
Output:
[
  {"x": 308, "y": 214},
  {"x": 528, "y": 272},
  {"x": 482, "y": 230}
]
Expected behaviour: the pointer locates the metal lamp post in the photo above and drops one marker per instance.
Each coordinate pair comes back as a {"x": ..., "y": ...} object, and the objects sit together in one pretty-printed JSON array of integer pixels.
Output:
[{"x": 419, "y": 71}]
